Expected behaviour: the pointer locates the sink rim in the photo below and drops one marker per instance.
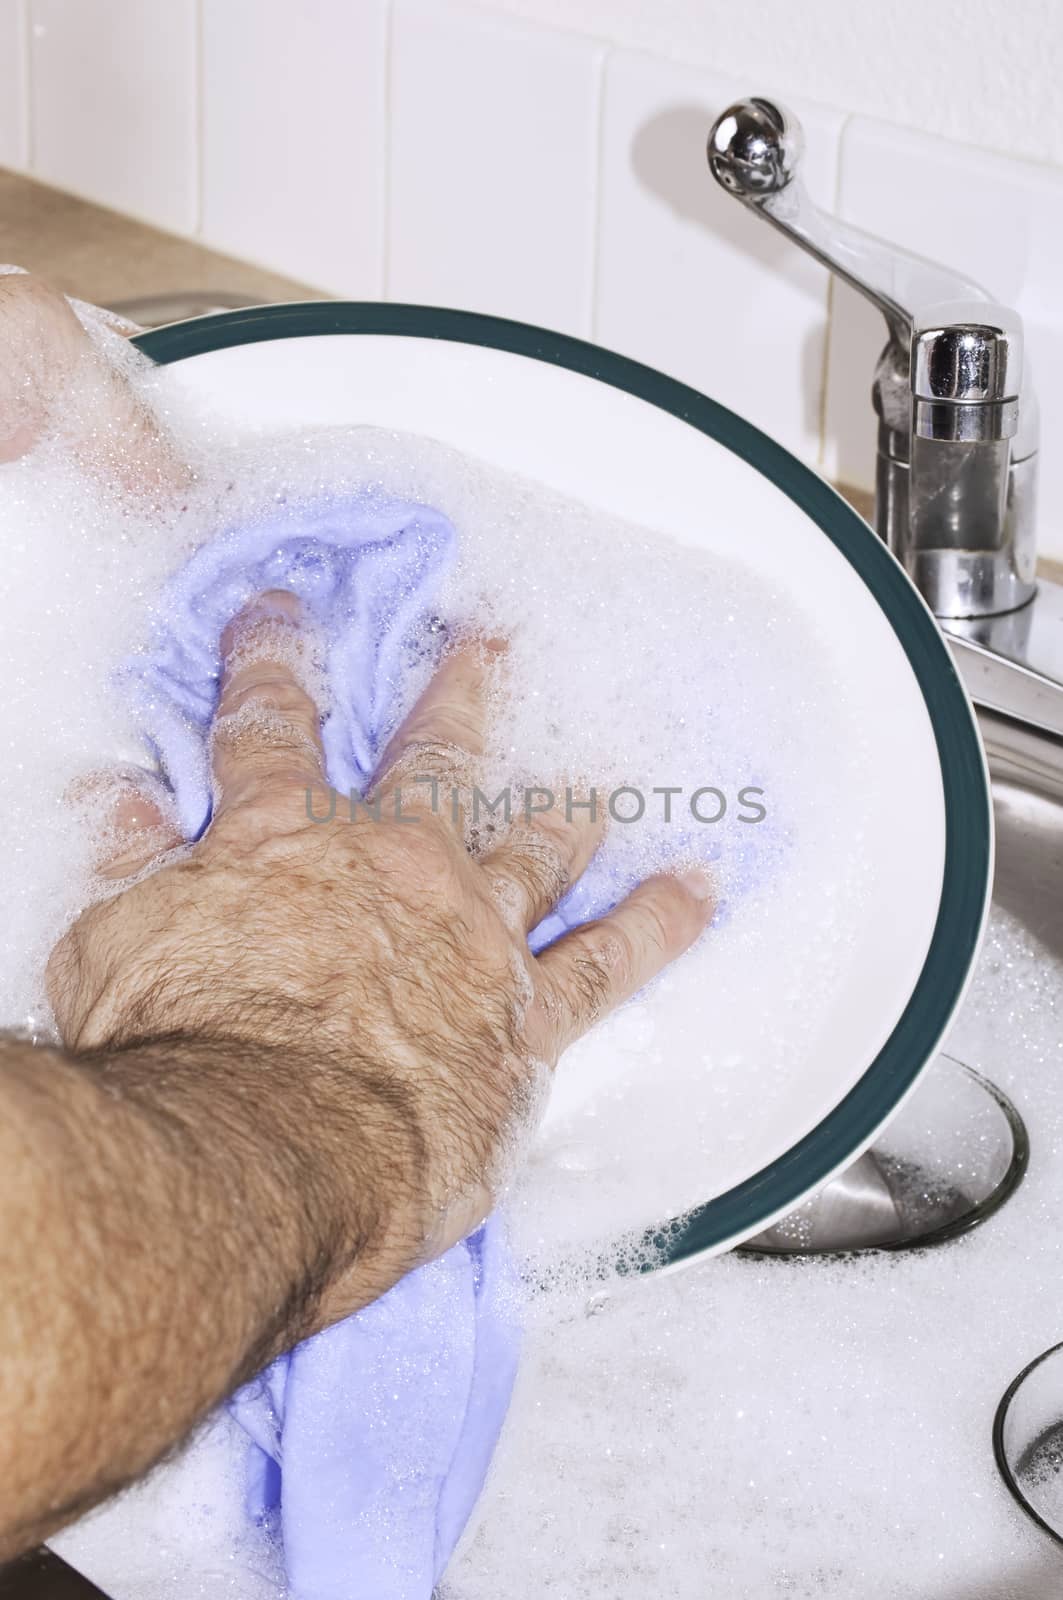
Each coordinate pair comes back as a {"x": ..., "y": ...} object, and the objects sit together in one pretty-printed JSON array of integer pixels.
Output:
[{"x": 1000, "y": 1453}]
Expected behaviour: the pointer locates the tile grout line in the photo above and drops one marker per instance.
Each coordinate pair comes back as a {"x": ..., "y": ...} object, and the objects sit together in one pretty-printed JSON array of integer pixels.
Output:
[
  {"x": 26, "y": 53},
  {"x": 386, "y": 163},
  {"x": 596, "y": 208},
  {"x": 821, "y": 461},
  {"x": 199, "y": 121}
]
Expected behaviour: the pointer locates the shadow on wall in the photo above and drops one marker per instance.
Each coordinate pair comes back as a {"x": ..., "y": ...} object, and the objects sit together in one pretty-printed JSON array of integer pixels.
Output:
[{"x": 668, "y": 160}]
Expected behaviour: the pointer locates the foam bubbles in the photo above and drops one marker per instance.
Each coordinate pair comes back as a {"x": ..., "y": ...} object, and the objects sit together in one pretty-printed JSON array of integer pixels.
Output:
[{"x": 816, "y": 1429}]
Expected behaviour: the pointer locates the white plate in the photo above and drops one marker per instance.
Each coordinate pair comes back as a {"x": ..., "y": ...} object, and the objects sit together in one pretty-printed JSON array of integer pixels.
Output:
[{"x": 634, "y": 443}]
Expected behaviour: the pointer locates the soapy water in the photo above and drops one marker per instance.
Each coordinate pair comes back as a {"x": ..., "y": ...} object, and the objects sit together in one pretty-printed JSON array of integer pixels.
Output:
[
  {"x": 821, "y": 1428},
  {"x": 743, "y": 1428}
]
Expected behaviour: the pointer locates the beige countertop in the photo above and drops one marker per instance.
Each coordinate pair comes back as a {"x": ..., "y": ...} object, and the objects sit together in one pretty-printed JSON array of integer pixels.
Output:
[{"x": 107, "y": 258}]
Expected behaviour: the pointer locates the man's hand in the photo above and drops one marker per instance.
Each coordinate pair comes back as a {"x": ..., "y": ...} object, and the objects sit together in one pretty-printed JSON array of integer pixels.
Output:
[
  {"x": 299, "y": 1059},
  {"x": 375, "y": 953}
]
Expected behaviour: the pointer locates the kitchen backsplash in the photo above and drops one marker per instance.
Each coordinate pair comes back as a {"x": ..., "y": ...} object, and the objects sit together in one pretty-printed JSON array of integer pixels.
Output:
[{"x": 440, "y": 152}]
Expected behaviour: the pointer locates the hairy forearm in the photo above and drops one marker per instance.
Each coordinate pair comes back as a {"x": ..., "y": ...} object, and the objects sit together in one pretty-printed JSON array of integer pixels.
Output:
[{"x": 171, "y": 1215}]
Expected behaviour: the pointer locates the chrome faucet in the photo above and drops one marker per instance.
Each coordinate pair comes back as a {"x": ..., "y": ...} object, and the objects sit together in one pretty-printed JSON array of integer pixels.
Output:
[{"x": 957, "y": 462}]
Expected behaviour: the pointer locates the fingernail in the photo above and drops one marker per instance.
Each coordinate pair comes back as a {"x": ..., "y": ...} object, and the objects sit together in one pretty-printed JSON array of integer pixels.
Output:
[
  {"x": 280, "y": 603},
  {"x": 698, "y": 883},
  {"x": 274, "y": 605}
]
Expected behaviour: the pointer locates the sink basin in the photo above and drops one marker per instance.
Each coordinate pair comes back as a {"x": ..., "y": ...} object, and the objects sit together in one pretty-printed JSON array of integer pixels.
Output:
[
  {"x": 1028, "y": 881},
  {"x": 1029, "y": 856}
]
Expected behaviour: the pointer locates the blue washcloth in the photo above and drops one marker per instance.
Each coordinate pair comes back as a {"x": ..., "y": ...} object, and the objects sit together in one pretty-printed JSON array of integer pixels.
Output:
[
  {"x": 372, "y": 1440},
  {"x": 368, "y": 1443},
  {"x": 366, "y": 569}
]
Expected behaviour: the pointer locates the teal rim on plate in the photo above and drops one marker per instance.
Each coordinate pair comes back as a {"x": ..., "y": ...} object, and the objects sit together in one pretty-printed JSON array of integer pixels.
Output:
[{"x": 780, "y": 1185}]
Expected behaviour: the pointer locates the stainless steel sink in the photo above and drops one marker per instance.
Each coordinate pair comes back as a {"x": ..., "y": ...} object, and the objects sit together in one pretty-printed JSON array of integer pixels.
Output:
[{"x": 1028, "y": 881}]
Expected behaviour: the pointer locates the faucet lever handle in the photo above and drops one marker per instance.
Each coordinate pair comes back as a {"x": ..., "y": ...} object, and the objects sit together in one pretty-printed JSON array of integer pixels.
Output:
[{"x": 754, "y": 151}]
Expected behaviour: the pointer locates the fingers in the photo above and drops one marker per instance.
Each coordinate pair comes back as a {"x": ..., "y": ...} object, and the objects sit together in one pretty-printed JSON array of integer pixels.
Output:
[
  {"x": 51, "y": 374},
  {"x": 530, "y": 872},
  {"x": 136, "y": 817},
  {"x": 444, "y": 732},
  {"x": 593, "y": 969},
  {"x": 266, "y": 735}
]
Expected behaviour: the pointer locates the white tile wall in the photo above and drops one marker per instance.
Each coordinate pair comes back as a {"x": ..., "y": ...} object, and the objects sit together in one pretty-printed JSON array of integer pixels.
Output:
[
  {"x": 293, "y": 156},
  {"x": 114, "y": 104},
  {"x": 434, "y": 150},
  {"x": 687, "y": 279},
  {"x": 13, "y": 104},
  {"x": 998, "y": 221},
  {"x": 493, "y": 165}
]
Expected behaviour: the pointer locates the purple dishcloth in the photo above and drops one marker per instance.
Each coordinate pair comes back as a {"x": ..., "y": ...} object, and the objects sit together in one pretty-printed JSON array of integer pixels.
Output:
[
  {"x": 365, "y": 567},
  {"x": 368, "y": 1444},
  {"x": 372, "y": 1440}
]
